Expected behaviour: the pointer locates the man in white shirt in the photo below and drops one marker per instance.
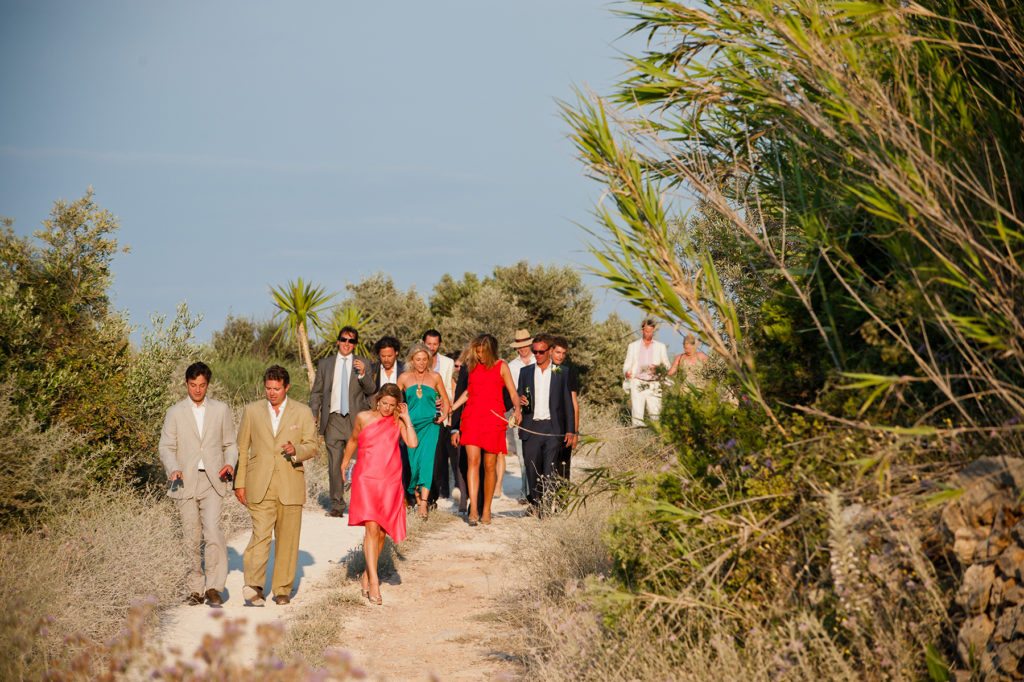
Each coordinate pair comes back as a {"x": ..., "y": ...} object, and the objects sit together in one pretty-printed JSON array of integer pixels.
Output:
[
  {"x": 549, "y": 421},
  {"x": 447, "y": 454},
  {"x": 197, "y": 449},
  {"x": 340, "y": 391},
  {"x": 388, "y": 366},
  {"x": 643, "y": 357},
  {"x": 521, "y": 343}
]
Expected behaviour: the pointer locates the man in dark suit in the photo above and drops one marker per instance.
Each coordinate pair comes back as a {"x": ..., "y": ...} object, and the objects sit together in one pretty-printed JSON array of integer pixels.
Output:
[
  {"x": 559, "y": 351},
  {"x": 388, "y": 367},
  {"x": 548, "y": 419},
  {"x": 340, "y": 391},
  {"x": 386, "y": 370}
]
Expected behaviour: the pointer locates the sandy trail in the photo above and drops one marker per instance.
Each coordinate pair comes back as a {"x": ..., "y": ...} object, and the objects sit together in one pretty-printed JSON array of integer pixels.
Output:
[
  {"x": 437, "y": 616},
  {"x": 323, "y": 542},
  {"x": 438, "y": 613}
]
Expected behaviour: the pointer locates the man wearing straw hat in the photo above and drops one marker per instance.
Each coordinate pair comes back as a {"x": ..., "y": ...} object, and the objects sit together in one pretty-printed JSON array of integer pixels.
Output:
[{"x": 521, "y": 343}]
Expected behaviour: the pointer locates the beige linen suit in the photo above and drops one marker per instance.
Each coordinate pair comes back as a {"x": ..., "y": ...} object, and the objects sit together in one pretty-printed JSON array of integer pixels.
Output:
[
  {"x": 643, "y": 394},
  {"x": 275, "y": 489},
  {"x": 199, "y": 497}
]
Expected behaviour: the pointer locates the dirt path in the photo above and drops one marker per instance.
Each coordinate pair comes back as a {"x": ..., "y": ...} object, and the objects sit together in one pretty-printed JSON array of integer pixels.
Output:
[
  {"x": 438, "y": 614},
  {"x": 323, "y": 541}
]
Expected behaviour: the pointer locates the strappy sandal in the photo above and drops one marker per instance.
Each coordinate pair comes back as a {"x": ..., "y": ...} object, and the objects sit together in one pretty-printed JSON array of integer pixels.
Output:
[{"x": 378, "y": 600}]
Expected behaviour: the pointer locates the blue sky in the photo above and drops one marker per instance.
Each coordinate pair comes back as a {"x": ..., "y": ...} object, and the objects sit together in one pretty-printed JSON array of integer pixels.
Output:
[{"x": 243, "y": 144}]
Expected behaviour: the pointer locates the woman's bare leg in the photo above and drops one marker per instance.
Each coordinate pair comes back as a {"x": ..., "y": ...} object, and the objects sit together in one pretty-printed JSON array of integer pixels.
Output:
[
  {"x": 490, "y": 465},
  {"x": 499, "y": 476},
  {"x": 473, "y": 478},
  {"x": 371, "y": 552}
]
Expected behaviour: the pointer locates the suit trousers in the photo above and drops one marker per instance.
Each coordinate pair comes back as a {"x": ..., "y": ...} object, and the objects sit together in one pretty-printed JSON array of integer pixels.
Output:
[
  {"x": 284, "y": 521},
  {"x": 644, "y": 394},
  {"x": 447, "y": 457},
  {"x": 516, "y": 445},
  {"x": 200, "y": 521},
  {"x": 564, "y": 463},
  {"x": 540, "y": 453},
  {"x": 335, "y": 440}
]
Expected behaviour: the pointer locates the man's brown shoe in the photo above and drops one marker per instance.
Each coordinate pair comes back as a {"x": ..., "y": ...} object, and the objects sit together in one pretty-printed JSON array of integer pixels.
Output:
[
  {"x": 194, "y": 599},
  {"x": 282, "y": 599},
  {"x": 213, "y": 597},
  {"x": 253, "y": 595}
]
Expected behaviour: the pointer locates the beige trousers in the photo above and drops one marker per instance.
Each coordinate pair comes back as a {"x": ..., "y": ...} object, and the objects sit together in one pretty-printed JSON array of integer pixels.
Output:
[
  {"x": 200, "y": 521},
  {"x": 284, "y": 522},
  {"x": 644, "y": 395}
]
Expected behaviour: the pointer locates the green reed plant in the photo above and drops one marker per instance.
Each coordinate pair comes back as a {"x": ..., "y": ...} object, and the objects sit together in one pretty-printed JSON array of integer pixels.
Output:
[{"x": 870, "y": 151}]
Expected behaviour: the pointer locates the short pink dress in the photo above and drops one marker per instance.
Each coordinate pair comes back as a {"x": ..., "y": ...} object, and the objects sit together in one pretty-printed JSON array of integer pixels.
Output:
[
  {"x": 377, "y": 493},
  {"x": 483, "y": 421}
]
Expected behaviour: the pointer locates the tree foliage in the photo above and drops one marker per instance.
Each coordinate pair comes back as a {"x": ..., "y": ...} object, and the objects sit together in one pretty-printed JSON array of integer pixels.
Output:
[
  {"x": 66, "y": 354},
  {"x": 401, "y": 314}
]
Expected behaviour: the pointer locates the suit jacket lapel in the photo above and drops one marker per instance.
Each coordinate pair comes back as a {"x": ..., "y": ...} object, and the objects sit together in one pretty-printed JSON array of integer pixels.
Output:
[{"x": 191, "y": 417}]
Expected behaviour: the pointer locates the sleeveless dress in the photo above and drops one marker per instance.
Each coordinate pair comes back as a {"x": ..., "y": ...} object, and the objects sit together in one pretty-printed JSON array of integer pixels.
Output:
[
  {"x": 483, "y": 420},
  {"x": 421, "y": 457},
  {"x": 377, "y": 480}
]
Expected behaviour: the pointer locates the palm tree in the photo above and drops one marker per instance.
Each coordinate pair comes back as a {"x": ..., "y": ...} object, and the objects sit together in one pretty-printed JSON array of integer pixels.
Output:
[
  {"x": 299, "y": 304},
  {"x": 351, "y": 316}
]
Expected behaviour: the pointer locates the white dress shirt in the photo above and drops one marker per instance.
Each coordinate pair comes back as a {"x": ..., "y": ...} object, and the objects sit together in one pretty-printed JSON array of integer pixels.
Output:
[
  {"x": 199, "y": 414},
  {"x": 275, "y": 417},
  {"x": 542, "y": 393},
  {"x": 517, "y": 364},
  {"x": 341, "y": 369},
  {"x": 386, "y": 378}
]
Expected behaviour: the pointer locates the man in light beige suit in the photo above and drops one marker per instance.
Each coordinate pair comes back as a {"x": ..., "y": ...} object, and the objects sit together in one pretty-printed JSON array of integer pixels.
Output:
[
  {"x": 197, "y": 449},
  {"x": 276, "y": 435}
]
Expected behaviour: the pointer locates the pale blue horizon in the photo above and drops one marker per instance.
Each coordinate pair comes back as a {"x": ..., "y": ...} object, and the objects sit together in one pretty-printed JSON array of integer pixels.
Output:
[{"x": 246, "y": 144}]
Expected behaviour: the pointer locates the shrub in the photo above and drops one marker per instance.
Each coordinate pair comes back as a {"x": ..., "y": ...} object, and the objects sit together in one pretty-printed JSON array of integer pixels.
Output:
[{"x": 79, "y": 568}]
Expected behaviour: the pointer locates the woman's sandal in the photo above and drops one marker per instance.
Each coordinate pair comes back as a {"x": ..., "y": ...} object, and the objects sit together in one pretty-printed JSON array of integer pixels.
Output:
[{"x": 378, "y": 600}]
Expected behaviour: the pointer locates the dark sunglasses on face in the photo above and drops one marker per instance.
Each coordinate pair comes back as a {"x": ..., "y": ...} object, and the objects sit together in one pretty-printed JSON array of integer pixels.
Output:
[
  {"x": 347, "y": 340},
  {"x": 539, "y": 352}
]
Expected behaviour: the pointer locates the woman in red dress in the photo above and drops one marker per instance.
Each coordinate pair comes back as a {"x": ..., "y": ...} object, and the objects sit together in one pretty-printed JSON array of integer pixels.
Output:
[
  {"x": 377, "y": 501},
  {"x": 483, "y": 422}
]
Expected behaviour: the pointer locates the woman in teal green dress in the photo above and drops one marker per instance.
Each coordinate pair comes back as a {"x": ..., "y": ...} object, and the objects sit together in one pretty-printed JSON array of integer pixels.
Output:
[{"x": 428, "y": 406}]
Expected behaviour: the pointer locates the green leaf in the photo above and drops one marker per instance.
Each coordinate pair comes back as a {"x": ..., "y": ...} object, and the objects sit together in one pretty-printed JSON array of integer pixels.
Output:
[{"x": 938, "y": 668}]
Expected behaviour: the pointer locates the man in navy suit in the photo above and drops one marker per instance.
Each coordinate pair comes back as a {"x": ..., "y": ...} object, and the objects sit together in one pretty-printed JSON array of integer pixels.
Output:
[{"x": 548, "y": 419}]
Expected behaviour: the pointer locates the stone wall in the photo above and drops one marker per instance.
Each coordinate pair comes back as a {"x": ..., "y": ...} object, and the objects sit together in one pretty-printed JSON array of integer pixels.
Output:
[{"x": 985, "y": 526}]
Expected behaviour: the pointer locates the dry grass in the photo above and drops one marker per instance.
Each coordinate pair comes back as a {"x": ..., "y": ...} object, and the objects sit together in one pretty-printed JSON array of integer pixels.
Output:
[
  {"x": 575, "y": 621},
  {"x": 77, "y": 573}
]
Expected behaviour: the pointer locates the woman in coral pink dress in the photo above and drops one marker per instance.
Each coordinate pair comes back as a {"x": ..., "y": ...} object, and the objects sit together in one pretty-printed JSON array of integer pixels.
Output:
[
  {"x": 378, "y": 502},
  {"x": 483, "y": 424}
]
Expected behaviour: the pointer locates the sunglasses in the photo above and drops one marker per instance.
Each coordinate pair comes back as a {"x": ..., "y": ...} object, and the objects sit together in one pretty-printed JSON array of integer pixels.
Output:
[
  {"x": 347, "y": 340},
  {"x": 539, "y": 352}
]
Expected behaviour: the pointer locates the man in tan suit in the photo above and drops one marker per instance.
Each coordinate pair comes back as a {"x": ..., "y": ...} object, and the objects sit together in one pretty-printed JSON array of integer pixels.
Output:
[
  {"x": 197, "y": 449},
  {"x": 276, "y": 435}
]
